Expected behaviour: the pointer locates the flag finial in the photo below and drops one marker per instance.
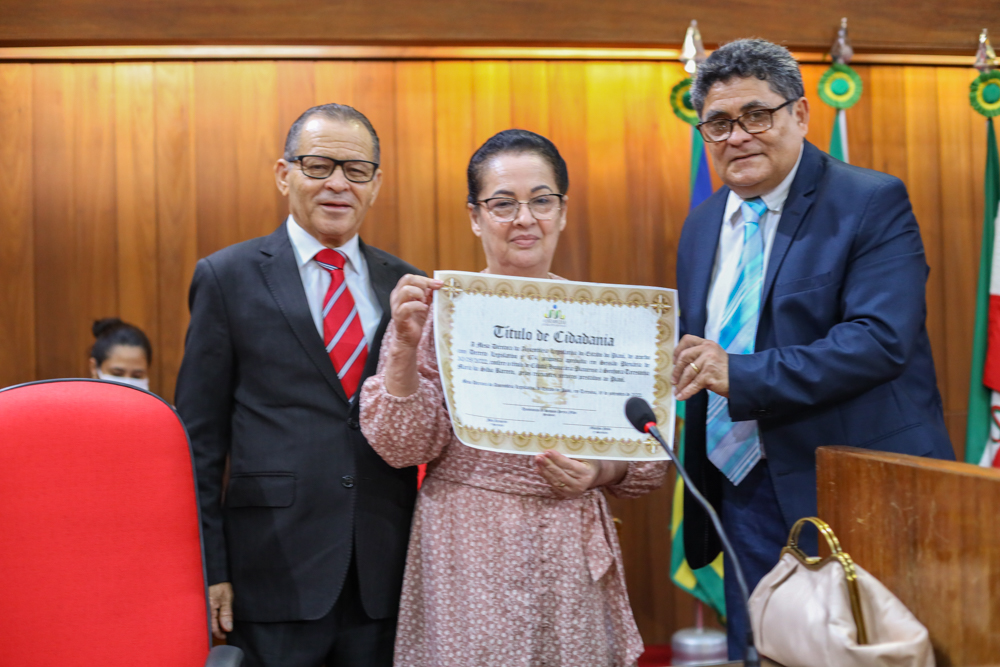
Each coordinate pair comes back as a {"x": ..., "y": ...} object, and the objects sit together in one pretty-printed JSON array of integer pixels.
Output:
[
  {"x": 693, "y": 52},
  {"x": 842, "y": 51},
  {"x": 986, "y": 58}
]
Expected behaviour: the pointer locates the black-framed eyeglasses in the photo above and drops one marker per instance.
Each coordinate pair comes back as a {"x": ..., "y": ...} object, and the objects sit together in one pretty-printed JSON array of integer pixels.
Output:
[
  {"x": 506, "y": 209},
  {"x": 320, "y": 167},
  {"x": 752, "y": 122}
]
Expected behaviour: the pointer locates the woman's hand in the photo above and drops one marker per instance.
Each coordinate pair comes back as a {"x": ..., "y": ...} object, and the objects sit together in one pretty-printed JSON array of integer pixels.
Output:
[
  {"x": 410, "y": 303},
  {"x": 570, "y": 478}
]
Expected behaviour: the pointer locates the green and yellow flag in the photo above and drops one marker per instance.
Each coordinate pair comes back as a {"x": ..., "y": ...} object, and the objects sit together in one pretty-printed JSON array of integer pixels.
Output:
[{"x": 704, "y": 583}]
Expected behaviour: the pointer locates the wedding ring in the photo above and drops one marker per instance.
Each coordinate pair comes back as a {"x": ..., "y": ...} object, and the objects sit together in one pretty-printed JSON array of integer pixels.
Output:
[
  {"x": 561, "y": 485},
  {"x": 694, "y": 367}
]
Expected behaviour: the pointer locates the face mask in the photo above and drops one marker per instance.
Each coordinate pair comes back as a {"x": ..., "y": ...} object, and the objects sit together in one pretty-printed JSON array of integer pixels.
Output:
[{"x": 141, "y": 383}]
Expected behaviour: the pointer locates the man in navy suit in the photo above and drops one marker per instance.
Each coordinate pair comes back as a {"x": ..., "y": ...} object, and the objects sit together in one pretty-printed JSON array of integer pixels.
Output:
[{"x": 803, "y": 312}]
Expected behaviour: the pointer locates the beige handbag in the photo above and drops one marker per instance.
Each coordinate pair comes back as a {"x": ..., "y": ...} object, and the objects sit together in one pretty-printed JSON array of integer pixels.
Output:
[{"x": 812, "y": 612}]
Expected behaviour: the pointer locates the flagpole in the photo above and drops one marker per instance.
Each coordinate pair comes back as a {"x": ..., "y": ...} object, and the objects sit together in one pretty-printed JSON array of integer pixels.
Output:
[
  {"x": 982, "y": 435},
  {"x": 840, "y": 87},
  {"x": 698, "y": 645}
]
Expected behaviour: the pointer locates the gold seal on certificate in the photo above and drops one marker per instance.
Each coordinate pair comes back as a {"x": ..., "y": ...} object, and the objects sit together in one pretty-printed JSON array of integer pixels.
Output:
[{"x": 532, "y": 365}]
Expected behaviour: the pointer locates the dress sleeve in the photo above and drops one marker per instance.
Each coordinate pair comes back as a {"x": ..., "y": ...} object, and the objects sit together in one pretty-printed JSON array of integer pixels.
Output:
[
  {"x": 407, "y": 430},
  {"x": 641, "y": 478}
]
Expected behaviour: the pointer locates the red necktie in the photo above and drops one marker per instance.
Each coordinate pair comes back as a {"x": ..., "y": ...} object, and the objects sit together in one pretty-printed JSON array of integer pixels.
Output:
[{"x": 342, "y": 332}]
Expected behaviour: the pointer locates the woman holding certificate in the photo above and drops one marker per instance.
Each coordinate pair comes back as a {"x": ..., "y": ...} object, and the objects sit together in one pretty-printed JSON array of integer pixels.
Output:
[{"x": 513, "y": 559}]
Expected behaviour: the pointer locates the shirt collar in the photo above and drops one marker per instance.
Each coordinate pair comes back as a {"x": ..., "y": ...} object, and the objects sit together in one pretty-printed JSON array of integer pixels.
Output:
[
  {"x": 775, "y": 199},
  {"x": 306, "y": 246}
]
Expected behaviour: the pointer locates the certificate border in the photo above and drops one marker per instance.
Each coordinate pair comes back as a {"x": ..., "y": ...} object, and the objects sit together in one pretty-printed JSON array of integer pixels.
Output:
[{"x": 660, "y": 300}]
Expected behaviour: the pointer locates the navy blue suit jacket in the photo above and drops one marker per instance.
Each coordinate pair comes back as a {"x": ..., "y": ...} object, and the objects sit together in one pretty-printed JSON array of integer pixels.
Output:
[{"x": 842, "y": 355}]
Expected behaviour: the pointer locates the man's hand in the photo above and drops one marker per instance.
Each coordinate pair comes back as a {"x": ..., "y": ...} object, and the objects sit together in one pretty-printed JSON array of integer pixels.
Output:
[
  {"x": 220, "y": 601},
  {"x": 699, "y": 364}
]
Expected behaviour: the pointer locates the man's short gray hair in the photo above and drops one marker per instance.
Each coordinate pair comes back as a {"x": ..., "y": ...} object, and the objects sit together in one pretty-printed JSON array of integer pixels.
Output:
[
  {"x": 747, "y": 58},
  {"x": 339, "y": 112}
]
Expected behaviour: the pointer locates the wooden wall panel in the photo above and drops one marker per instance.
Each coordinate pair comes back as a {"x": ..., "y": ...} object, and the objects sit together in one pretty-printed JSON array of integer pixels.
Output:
[
  {"x": 75, "y": 220},
  {"x": 454, "y": 130},
  {"x": 568, "y": 90},
  {"x": 821, "y": 116},
  {"x": 889, "y": 24},
  {"x": 417, "y": 195},
  {"x": 259, "y": 141},
  {"x": 375, "y": 93},
  {"x": 134, "y": 171},
  {"x": 960, "y": 241},
  {"x": 176, "y": 212},
  {"x": 216, "y": 95},
  {"x": 135, "y": 166},
  {"x": 608, "y": 193},
  {"x": 530, "y": 90},
  {"x": 859, "y": 121},
  {"x": 17, "y": 257}
]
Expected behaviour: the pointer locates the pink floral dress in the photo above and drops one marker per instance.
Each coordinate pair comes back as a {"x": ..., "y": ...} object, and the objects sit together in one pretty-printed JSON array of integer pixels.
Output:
[{"x": 500, "y": 571}]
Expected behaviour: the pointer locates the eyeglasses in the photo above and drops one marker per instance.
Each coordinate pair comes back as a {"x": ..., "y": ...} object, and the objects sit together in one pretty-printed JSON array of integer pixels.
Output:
[
  {"x": 752, "y": 122},
  {"x": 319, "y": 167},
  {"x": 505, "y": 209}
]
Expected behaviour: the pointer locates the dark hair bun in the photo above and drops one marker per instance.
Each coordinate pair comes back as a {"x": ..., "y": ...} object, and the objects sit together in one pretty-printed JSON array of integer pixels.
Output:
[
  {"x": 111, "y": 331},
  {"x": 105, "y": 326}
]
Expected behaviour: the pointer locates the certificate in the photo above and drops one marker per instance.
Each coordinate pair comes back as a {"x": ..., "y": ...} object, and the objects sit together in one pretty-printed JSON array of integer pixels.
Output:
[{"x": 532, "y": 365}]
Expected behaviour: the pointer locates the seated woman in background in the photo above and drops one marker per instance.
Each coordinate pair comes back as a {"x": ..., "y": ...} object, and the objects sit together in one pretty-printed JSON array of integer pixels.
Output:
[
  {"x": 513, "y": 559},
  {"x": 121, "y": 353}
]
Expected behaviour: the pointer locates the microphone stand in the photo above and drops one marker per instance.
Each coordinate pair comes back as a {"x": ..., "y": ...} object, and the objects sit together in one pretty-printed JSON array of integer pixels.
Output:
[{"x": 750, "y": 658}]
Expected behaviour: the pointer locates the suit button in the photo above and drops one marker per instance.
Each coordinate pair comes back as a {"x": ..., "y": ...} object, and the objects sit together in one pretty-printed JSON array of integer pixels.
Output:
[
  {"x": 347, "y": 481},
  {"x": 760, "y": 412},
  {"x": 353, "y": 423}
]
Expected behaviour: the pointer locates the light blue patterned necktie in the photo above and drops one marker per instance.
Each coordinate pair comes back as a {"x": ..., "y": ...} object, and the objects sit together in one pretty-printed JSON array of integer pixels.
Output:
[{"x": 734, "y": 447}]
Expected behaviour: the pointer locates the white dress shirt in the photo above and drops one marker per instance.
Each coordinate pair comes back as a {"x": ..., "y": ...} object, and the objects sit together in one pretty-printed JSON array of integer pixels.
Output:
[
  {"x": 316, "y": 279},
  {"x": 730, "y": 250}
]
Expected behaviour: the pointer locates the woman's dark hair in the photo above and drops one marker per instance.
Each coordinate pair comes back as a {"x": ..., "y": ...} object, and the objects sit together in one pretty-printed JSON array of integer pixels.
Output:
[
  {"x": 112, "y": 331},
  {"x": 516, "y": 142}
]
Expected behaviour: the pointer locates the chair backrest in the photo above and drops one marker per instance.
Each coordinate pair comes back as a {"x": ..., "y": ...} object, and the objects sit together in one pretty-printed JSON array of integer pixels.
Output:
[{"x": 100, "y": 545}]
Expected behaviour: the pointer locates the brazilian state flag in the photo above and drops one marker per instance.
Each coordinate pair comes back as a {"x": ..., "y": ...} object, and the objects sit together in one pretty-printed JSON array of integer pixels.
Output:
[{"x": 704, "y": 583}]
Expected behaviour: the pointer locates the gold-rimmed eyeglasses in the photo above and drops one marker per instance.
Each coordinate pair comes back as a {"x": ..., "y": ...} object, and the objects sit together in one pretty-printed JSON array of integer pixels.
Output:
[
  {"x": 506, "y": 209},
  {"x": 752, "y": 122}
]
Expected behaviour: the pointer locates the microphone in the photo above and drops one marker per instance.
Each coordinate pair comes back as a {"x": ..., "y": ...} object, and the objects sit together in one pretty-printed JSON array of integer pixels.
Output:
[{"x": 641, "y": 416}]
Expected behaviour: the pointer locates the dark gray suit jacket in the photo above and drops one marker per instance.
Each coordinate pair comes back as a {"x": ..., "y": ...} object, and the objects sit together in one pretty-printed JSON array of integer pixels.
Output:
[{"x": 305, "y": 488}]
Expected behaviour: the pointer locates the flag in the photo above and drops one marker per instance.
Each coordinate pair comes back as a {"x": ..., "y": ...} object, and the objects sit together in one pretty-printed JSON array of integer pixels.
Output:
[
  {"x": 982, "y": 439},
  {"x": 840, "y": 87},
  {"x": 838, "y": 140},
  {"x": 704, "y": 583}
]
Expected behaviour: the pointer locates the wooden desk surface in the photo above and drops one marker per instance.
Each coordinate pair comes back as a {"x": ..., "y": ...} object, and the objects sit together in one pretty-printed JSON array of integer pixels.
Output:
[{"x": 930, "y": 531}]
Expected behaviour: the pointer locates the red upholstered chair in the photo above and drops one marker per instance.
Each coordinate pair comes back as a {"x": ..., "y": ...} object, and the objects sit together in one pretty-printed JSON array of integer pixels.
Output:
[{"x": 100, "y": 546}]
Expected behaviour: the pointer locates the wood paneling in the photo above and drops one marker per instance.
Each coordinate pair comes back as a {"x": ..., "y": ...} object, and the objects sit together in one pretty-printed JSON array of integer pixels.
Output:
[
  {"x": 893, "y": 24},
  {"x": 415, "y": 117},
  {"x": 121, "y": 175},
  {"x": 135, "y": 166},
  {"x": 17, "y": 265},
  {"x": 192, "y": 52},
  {"x": 176, "y": 212},
  {"x": 928, "y": 531}
]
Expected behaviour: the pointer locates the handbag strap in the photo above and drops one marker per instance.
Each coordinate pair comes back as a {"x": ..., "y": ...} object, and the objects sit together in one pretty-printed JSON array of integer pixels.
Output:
[{"x": 837, "y": 554}]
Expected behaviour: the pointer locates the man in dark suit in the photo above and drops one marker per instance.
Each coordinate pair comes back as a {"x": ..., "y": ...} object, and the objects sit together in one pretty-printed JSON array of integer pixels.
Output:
[
  {"x": 305, "y": 542},
  {"x": 803, "y": 313}
]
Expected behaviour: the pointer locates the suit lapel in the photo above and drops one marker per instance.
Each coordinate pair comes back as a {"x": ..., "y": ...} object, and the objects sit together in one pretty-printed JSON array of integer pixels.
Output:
[
  {"x": 800, "y": 200},
  {"x": 383, "y": 280},
  {"x": 706, "y": 243},
  {"x": 281, "y": 274}
]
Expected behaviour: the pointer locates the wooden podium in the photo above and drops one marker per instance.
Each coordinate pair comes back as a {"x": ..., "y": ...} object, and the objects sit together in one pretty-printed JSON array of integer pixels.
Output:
[{"x": 930, "y": 531}]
